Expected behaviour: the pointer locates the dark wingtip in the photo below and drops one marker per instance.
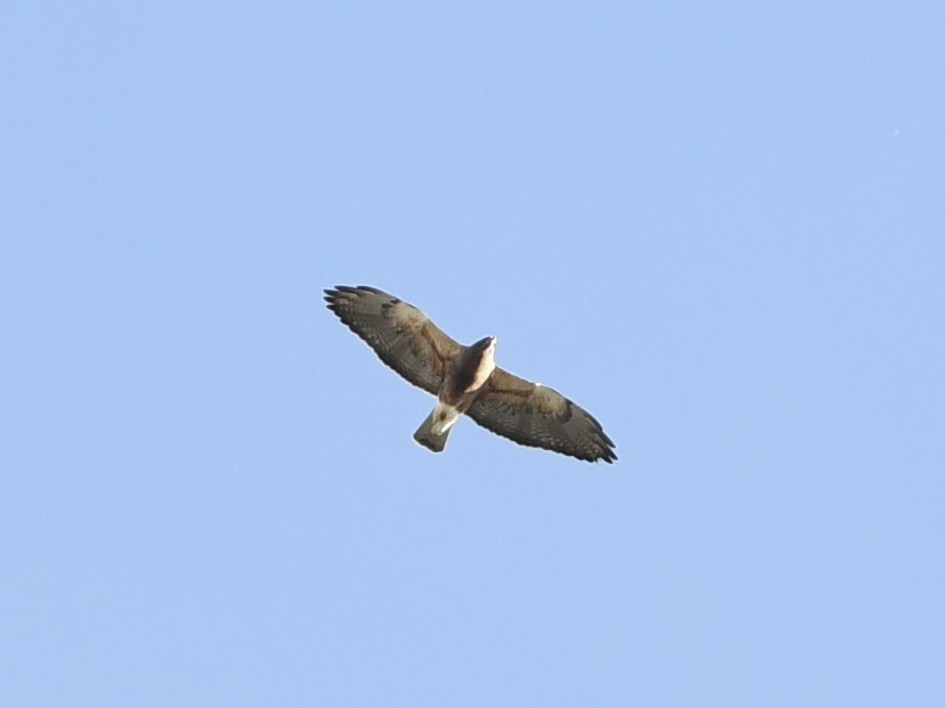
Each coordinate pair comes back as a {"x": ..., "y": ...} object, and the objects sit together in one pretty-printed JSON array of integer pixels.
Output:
[
  {"x": 606, "y": 455},
  {"x": 348, "y": 290},
  {"x": 332, "y": 295},
  {"x": 609, "y": 455}
]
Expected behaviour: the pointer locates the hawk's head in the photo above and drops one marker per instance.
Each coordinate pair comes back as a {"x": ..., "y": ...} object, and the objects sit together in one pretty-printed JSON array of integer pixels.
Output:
[{"x": 483, "y": 358}]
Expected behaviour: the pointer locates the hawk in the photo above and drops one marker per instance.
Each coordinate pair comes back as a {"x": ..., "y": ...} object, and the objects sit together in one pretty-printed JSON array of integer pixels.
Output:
[{"x": 466, "y": 379}]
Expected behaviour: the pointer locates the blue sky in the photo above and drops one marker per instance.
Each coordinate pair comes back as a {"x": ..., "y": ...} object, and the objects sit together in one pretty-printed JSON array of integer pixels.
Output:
[{"x": 720, "y": 229}]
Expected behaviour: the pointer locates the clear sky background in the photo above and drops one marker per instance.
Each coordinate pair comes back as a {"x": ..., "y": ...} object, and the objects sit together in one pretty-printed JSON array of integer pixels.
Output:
[{"x": 720, "y": 229}]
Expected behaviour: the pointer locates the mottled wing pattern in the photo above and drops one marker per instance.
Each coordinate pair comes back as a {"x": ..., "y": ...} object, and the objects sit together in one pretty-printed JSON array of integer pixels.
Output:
[
  {"x": 401, "y": 335},
  {"x": 538, "y": 416}
]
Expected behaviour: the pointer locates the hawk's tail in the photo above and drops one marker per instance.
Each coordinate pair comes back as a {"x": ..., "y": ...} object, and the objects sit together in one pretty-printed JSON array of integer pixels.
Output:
[{"x": 430, "y": 440}]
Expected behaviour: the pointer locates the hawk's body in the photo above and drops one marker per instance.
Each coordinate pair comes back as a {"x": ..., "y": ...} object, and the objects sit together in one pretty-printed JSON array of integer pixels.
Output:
[{"x": 466, "y": 379}]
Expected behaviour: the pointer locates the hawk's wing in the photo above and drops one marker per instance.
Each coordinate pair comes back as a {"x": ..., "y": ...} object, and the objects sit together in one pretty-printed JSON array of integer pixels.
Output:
[
  {"x": 538, "y": 416},
  {"x": 401, "y": 335}
]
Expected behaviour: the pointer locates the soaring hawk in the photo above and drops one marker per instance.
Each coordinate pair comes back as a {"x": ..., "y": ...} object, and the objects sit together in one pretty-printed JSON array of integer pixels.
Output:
[{"x": 466, "y": 379}]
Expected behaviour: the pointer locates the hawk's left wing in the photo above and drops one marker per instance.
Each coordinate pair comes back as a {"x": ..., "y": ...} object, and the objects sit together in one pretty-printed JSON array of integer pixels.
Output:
[
  {"x": 538, "y": 416},
  {"x": 401, "y": 335}
]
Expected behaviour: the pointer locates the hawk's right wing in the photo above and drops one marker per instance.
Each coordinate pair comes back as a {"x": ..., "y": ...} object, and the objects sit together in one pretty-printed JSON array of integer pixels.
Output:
[{"x": 401, "y": 335}]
